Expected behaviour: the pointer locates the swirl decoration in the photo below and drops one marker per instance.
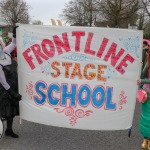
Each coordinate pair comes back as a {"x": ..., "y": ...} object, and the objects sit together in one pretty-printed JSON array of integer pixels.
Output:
[
  {"x": 73, "y": 114},
  {"x": 69, "y": 111},
  {"x": 79, "y": 113},
  {"x": 78, "y": 57},
  {"x": 29, "y": 89},
  {"x": 122, "y": 100}
]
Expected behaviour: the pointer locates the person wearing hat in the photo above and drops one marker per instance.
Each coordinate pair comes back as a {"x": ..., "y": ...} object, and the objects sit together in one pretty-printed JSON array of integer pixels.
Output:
[
  {"x": 9, "y": 96},
  {"x": 144, "y": 125}
]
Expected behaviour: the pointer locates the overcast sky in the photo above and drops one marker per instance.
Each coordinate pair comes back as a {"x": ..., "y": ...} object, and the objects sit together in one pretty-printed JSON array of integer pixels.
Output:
[{"x": 45, "y": 10}]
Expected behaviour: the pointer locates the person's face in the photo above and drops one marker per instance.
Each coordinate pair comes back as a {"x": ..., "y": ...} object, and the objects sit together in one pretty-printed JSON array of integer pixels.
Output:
[{"x": 144, "y": 45}]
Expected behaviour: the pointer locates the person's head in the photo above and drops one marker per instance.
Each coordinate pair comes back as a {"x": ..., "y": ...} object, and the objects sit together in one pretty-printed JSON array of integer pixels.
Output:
[
  {"x": 145, "y": 44},
  {"x": 6, "y": 40},
  {"x": 147, "y": 48}
]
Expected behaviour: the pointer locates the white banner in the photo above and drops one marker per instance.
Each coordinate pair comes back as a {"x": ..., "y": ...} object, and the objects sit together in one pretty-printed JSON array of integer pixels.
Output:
[{"x": 79, "y": 77}]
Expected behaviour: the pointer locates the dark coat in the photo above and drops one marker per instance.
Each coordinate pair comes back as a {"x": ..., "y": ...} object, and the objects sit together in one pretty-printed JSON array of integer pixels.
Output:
[{"x": 9, "y": 106}]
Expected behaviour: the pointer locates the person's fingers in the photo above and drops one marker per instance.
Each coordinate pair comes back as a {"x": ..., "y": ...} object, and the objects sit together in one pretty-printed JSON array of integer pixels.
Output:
[{"x": 138, "y": 81}]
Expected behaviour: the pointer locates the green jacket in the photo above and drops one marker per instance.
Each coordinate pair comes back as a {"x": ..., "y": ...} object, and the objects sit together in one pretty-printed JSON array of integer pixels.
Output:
[
  {"x": 144, "y": 125},
  {"x": 144, "y": 56}
]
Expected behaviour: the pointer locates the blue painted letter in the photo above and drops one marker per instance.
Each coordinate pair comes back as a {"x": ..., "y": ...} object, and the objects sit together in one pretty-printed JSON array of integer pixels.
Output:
[
  {"x": 109, "y": 104},
  {"x": 40, "y": 100},
  {"x": 86, "y": 100},
  {"x": 98, "y": 102},
  {"x": 53, "y": 87},
  {"x": 67, "y": 95}
]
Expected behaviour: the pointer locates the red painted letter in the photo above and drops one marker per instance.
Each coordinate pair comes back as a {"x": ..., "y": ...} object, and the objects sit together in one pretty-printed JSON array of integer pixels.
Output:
[
  {"x": 114, "y": 57},
  {"x": 28, "y": 58},
  {"x": 123, "y": 63},
  {"x": 88, "y": 44},
  {"x": 36, "y": 50},
  {"x": 78, "y": 35},
  {"x": 102, "y": 47},
  {"x": 51, "y": 52},
  {"x": 60, "y": 44}
]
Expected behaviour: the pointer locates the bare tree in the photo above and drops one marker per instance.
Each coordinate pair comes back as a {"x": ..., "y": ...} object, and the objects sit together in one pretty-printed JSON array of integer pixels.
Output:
[
  {"x": 141, "y": 19},
  {"x": 119, "y": 12},
  {"x": 37, "y": 22},
  {"x": 144, "y": 17},
  {"x": 73, "y": 12},
  {"x": 146, "y": 6},
  {"x": 80, "y": 12},
  {"x": 90, "y": 11},
  {"x": 14, "y": 11}
]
